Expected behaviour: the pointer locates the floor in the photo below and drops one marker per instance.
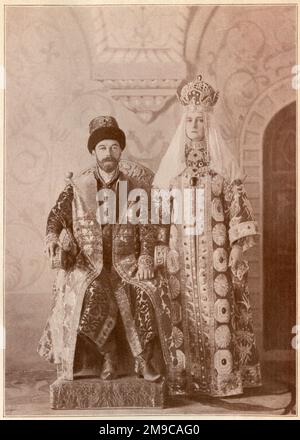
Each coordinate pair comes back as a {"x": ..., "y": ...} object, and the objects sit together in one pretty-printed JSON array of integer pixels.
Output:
[{"x": 27, "y": 394}]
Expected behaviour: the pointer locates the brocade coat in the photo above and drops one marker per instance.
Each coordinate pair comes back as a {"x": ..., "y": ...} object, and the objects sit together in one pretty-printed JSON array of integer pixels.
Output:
[{"x": 129, "y": 241}]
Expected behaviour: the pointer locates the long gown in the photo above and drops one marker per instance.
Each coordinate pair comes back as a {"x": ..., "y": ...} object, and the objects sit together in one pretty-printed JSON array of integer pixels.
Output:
[{"x": 212, "y": 324}]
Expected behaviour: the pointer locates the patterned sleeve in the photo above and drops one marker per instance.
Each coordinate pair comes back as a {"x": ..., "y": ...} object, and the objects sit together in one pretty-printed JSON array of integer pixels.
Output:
[
  {"x": 148, "y": 239},
  {"x": 163, "y": 235},
  {"x": 242, "y": 226},
  {"x": 60, "y": 215},
  {"x": 162, "y": 229},
  {"x": 148, "y": 236},
  {"x": 163, "y": 215}
]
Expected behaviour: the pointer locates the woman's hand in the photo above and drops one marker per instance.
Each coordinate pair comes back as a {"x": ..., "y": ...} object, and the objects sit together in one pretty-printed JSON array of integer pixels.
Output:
[
  {"x": 51, "y": 249},
  {"x": 235, "y": 257}
]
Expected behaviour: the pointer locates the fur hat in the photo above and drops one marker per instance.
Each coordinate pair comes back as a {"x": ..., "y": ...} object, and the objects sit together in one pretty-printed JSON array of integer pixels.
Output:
[{"x": 105, "y": 127}]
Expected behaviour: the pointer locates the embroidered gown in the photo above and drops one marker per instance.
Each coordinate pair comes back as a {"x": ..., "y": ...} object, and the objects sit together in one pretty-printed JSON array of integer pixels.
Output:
[{"x": 211, "y": 313}]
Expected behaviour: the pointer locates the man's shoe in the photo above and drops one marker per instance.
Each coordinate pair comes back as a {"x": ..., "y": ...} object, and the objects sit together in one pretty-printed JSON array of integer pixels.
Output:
[
  {"x": 144, "y": 369},
  {"x": 108, "y": 371}
]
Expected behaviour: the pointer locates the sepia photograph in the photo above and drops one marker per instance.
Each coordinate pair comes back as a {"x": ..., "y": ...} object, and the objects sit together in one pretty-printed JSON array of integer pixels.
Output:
[{"x": 150, "y": 222}]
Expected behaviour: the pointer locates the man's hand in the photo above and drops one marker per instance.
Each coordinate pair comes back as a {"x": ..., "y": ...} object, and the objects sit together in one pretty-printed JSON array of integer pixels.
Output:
[
  {"x": 235, "y": 256},
  {"x": 145, "y": 268},
  {"x": 145, "y": 273},
  {"x": 51, "y": 249}
]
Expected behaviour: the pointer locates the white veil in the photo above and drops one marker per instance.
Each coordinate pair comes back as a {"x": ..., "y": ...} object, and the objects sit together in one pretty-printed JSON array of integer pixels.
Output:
[{"x": 222, "y": 161}]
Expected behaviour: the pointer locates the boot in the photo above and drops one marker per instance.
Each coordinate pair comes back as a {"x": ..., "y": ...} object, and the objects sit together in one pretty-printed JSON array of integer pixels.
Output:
[
  {"x": 109, "y": 367},
  {"x": 143, "y": 367}
]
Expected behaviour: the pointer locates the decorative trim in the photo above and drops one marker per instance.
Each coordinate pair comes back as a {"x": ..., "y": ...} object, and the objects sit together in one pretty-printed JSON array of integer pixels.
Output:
[
  {"x": 242, "y": 230},
  {"x": 146, "y": 98}
]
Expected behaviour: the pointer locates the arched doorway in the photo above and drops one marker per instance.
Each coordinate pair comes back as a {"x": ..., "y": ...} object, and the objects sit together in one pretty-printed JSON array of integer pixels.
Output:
[{"x": 279, "y": 229}]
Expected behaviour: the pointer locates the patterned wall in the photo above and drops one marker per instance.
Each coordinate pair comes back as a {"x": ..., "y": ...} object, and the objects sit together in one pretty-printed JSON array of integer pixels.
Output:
[{"x": 66, "y": 65}]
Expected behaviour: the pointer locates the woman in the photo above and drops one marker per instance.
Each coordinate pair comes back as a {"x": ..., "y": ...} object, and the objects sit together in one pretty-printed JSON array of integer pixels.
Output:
[{"x": 211, "y": 315}]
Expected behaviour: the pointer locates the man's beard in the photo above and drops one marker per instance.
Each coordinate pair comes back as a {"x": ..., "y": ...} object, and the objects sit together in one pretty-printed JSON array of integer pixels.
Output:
[{"x": 108, "y": 165}]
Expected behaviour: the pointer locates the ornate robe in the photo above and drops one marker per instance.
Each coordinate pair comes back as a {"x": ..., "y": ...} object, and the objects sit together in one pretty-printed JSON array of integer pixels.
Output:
[
  {"x": 75, "y": 287},
  {"x": 211, "y": 314}
]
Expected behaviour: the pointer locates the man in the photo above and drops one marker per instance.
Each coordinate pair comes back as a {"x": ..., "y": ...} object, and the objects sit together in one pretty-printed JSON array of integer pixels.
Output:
[{"x": 111, "y": 275}]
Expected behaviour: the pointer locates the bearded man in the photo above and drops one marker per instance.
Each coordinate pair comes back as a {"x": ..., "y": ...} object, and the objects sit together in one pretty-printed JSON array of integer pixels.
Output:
[{"x": 108, "y": 273}]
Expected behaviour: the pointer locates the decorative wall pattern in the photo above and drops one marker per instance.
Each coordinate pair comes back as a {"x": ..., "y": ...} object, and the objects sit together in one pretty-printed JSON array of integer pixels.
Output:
[
  {"x": 251, "y": 64},
  {"x": 128, "y": 56},
  {"x": 248, "y": 55},
  {"x": 67, "y": 65},
  {"x": 149, "y": 34}
]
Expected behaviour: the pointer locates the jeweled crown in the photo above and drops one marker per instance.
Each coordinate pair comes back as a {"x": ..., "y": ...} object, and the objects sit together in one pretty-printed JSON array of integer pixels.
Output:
[{"x": 198, "y": 92}]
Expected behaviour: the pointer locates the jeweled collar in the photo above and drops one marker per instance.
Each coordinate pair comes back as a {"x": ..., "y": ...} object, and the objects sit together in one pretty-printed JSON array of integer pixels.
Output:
[{"x": 197, "y": 158}]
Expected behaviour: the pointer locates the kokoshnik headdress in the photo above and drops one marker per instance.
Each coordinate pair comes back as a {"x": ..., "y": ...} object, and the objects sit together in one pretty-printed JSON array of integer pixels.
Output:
[{"x": 197, "y": 96}]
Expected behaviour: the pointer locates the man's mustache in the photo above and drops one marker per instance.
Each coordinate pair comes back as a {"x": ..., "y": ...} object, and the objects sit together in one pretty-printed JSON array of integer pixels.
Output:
[{"x": 108, "y": 159}]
